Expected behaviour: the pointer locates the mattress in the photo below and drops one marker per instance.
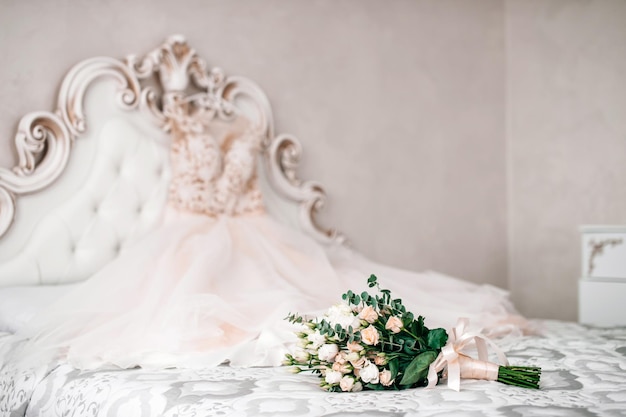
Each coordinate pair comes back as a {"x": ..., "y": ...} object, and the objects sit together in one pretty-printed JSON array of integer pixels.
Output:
[{"x": 584, "y": 374}]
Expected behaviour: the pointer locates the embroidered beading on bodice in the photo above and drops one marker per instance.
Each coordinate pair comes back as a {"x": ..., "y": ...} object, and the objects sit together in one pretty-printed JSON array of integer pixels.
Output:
[{"x": 213, "y": 162}]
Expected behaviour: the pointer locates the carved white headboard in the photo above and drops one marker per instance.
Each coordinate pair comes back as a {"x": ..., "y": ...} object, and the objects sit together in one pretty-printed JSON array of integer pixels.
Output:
[{"x": 92, "y": 176}]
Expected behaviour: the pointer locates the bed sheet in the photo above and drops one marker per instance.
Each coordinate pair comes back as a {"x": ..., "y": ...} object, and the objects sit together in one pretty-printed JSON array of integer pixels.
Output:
[{"x": 584, "y": 374}]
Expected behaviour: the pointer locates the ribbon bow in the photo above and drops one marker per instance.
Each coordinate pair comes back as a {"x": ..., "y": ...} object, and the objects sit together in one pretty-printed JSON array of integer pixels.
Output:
[{"x": 451, "y": 354}]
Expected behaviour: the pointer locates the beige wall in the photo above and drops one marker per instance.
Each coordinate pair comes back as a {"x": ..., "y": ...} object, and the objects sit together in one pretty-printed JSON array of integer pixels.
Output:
[
  {"x": 399, "y": 104},
  {"x": 566, "y": 83},
  {"x": 402, "y": 110}
]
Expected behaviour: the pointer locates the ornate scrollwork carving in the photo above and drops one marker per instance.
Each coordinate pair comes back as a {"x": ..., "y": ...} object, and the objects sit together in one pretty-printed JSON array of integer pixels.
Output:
[
  {"x": 44, "y": 139},
  {"x": 597, "y": 249},
  {"x": 236, "y": 89},
  {"x": 77, "y": 81},
  {"x": 283, "y": 157},
  {"x": 43, "y": 148},
  {"x": 43, "y": 145}
]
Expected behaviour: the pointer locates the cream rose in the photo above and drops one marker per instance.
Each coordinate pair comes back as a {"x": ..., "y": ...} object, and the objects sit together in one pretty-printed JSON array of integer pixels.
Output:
[
  {"x": 359, "y": 363},
  {"x": 368, "y": 314},
  {"x": 369, "y": 374},
  {"x": 357, "y": 387},
  {"x": 342, "y": 357},
  {"x": 346, "y": 383},
  {"x": 394, "y": 324},
  {"x": 385, "y": 377},
  {"x": 328, "y": 352},
  {"x": 370, "y": 336},
  {"x": 380, "y": 359},
  {"x": 343, "y": 368},
  {"x": 355, "y": 347},
  {"x": 333, "y": 377}
]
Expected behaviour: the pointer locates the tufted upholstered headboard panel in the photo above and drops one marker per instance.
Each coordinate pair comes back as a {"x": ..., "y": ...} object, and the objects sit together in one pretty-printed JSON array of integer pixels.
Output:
[{"x": 93, "y": 175}]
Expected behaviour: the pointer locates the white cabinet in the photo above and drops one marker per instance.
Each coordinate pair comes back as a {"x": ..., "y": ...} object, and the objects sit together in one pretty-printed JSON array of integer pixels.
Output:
[{"x": 602, "y": 288}]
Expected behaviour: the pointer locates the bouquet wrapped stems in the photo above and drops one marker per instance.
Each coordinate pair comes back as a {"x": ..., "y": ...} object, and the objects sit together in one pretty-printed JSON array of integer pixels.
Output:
[
  {"x": 459, "y": 365},
  {"x": 520, "y": 376},
  {"x": 373, "y": 342}
]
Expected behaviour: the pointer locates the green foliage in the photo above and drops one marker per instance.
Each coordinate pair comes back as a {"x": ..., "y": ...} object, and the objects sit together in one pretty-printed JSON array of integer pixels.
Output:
[
  {"x": 437, "y": 338},
  {"x": 402, "y": 351},
  {"x": 418, "y": 368},
  {"x": 405, "y": 352}
]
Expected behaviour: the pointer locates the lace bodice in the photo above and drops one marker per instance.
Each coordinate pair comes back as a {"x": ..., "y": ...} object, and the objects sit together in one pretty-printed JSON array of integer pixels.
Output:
[{"x": 213, "y": 162}]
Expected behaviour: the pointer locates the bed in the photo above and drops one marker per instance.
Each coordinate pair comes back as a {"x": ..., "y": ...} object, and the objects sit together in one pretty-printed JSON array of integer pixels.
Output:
[{"x": 92, "y": 177}]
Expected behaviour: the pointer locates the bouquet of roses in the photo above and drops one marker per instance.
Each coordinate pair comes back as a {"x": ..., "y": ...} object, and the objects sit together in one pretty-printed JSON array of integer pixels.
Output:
[{"x": 373, "y": 342}]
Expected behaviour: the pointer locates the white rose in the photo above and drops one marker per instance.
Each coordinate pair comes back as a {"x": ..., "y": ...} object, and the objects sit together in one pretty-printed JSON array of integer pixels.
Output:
[
  {"x": 369, "y": 374},
  {"x": 347, "y": 383},
  {"x": 357, "y": 387},
  {"x": 333, "y": 377},
  {"x": 342, "y": 315},
  {"x": 316, "y": 339},
  {"x": 301, "y": 355},
  {"x": 328, "y": 352}
]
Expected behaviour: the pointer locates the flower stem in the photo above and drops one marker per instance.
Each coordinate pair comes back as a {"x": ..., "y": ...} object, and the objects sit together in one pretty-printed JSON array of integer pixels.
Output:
[
  {"x": 520, "y": 376},
  {"x": 410, "y": 334}
]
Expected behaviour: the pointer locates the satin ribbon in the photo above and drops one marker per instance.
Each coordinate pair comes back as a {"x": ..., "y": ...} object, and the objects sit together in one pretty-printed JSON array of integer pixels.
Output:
[{"x": 458, "y": 339}]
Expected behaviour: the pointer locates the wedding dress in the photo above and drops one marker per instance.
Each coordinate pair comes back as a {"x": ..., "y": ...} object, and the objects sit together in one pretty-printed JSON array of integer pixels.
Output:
[{"x": 215, "y": 280}]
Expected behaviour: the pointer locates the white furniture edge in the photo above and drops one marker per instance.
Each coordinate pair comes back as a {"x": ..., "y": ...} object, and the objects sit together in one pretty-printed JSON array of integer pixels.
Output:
[
  {"x": 600, "y": 228},
  {"x": 601, "y": 302}
]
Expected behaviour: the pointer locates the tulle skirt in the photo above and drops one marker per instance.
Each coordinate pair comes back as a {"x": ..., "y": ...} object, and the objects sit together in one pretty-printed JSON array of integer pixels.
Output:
[{"x": 199, "y": 291}]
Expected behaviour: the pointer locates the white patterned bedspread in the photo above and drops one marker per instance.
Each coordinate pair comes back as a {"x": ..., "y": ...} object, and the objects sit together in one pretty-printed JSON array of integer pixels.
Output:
[{"x": 584, "y": 374}]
